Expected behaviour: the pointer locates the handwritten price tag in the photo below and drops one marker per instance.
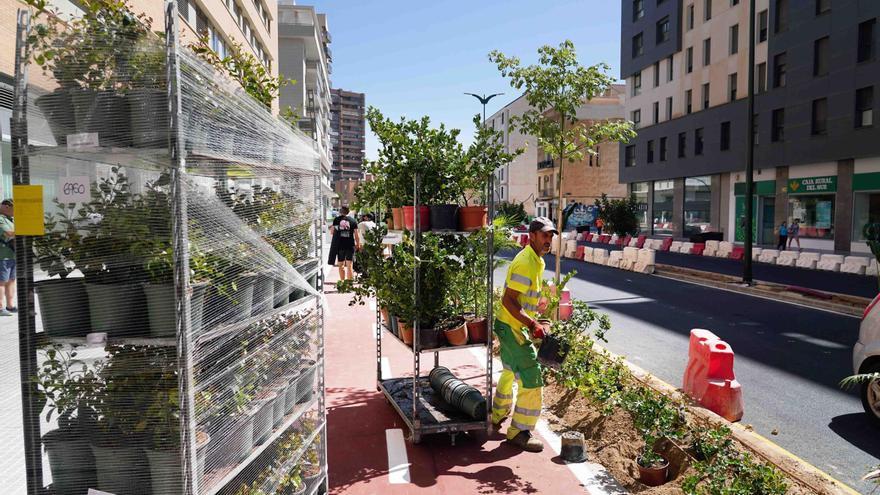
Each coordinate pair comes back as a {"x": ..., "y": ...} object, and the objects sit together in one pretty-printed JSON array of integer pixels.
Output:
[{"x": 73, "y": 189}]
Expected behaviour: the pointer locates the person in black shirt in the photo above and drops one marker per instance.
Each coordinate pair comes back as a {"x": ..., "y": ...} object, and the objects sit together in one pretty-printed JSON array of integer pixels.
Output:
[{"x": 345, "y": 240}]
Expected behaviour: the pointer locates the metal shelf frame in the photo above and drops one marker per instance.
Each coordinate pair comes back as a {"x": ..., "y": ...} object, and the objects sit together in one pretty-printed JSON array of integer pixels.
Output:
[{"x": 412, "y": 417}]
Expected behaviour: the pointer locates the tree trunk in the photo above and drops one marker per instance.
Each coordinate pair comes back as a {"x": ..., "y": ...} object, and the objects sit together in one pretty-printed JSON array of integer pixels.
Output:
[{"x": 559, "y": 203}]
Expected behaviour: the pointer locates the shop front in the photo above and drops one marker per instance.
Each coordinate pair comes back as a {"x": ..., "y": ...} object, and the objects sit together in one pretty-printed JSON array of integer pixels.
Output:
[
  {"x": 663, "y": 207},
  {"x": 763, "y": 212},
  {"x": 812, "y": 202}
]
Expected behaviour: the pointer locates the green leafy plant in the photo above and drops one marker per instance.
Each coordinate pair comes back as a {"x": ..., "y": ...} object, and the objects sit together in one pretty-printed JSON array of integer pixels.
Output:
[
  {"x": 55, "y": 250},
  {"x": 516, "y": 212},
  {"x": 871, "y": 233},
  {"x": 70, "y": 387},
  {"x": 552, "y": 291},
  {"x": 471, "y": 173},
  {"x": 620, "y": 215}
]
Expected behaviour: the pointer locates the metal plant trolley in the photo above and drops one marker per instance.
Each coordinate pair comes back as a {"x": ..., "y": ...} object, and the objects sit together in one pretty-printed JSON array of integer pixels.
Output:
[
  {"x": 200, "y": 109},
  {"x": 422, "y": 409}
]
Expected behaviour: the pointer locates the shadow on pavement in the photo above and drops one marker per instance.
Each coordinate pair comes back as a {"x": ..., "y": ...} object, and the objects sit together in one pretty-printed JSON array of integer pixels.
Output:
[{"x": 858, "y": 430}]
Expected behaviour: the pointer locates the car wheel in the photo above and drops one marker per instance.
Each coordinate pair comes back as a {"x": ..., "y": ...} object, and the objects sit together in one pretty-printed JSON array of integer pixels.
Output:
[{"x": 871, "y": 394}]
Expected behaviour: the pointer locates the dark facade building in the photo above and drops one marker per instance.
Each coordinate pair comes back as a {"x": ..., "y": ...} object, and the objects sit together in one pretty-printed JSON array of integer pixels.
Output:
[
  {"x": 347, "y": 134},
  {"x": 817, "y": 152}
]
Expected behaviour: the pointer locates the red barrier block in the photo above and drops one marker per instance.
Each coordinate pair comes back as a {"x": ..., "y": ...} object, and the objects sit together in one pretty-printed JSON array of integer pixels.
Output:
[
  {"x": 667, "y": 243},
  {"x": 724, "y": 398},
  {"x": 709, "y": 376},
  {"x": 565, "y": 311},
  {"x": 579, "y": 254},
  {"x": 696, "y": 367},
  {"x": 640, "y": 242},
  {"x": 737, "y": 253},
  {"x": 698, "y": 248}
]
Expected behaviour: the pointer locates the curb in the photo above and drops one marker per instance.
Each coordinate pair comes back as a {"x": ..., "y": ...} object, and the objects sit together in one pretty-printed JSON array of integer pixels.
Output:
[{"x": 793, "y": 466}]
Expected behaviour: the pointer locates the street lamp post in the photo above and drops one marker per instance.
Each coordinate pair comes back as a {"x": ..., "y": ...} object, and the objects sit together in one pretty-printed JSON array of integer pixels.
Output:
[
  {"x": 750, "y": 153},
  {"x": 484, "y": 100}
]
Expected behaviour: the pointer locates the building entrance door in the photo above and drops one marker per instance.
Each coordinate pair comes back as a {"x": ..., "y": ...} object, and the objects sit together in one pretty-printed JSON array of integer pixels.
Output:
[{"x": 767, "y": 220}]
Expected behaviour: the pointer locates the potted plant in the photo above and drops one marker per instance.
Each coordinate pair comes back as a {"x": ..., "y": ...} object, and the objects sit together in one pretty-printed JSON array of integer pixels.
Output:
[
  {"x": 63, "y": 301},
  {"x": 163, "y": 427},
  {"x": 653, "y": 468},
  {"x": 70, "y": 388},
  {"x": 655, "y": 416},
  {"x": 147, "y": 97},
  {"x": 311, "y": 467},
  {"x": 239, "y": 441},
  {"x": 455, "y": 330}
]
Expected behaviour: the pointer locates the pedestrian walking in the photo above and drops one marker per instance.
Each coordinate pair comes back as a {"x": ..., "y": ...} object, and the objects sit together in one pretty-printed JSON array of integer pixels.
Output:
[
  {"x": 794, "y": 233},
  {"x": 366, "y": 224},
  {"x": 345, "y": 240},
  {"x": 515, "y": 326},
  {"x": 599, "y": 225},
  {"x": 7, "y": 259},
  {"x": 783, "y": 236}
]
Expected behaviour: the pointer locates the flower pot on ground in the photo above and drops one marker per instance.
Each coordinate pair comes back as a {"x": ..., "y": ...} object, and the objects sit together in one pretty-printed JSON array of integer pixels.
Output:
[
  {"x": 121, "y": 465},
  {"x": 119, "y": 309},
  {"x": 63, "y": 307},
  {"x": 397, "y": 218},
  {"x": 409, "y": 217},
  {"x": 305, "y": 388},
  {"x": 444, "y": 217},
  {"x": 149, "y": 117},
  {"x": 471, "y": 218},
  {"x": 478, "y": 330},
  {"x": 262, "y": 413},
  {"x": 653, "y": 471},
  {"x": 406, "y": 331},
  {"x": 70, "y": 460},
  {"x": 455, "y": 330},
  {"x": 162, "y": 306},
  {"x": 264, "y": 291}
]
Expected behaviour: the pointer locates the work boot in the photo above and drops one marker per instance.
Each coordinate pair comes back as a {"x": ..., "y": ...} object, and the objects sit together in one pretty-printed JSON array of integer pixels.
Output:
[
  {"x": 496, "y": 427},
  {"x": 525, "y": 441}
]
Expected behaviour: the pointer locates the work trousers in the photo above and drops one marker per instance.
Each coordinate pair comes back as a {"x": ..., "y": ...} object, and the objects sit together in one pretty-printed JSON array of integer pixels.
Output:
[{"x": 528, "y": 403}]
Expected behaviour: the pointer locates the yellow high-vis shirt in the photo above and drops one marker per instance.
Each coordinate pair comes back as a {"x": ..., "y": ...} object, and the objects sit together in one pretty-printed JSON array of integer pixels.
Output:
[{"x": 525, "y": 276}]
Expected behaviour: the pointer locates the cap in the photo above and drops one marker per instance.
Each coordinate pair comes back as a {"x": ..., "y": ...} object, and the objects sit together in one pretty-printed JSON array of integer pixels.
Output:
[{"x": 542, "y": 224}]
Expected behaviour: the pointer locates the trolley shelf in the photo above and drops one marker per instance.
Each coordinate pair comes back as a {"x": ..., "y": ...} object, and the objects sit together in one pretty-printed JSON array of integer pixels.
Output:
[
  {"x": 434, "y": 349},
  {"x": 435, "y": 414}
]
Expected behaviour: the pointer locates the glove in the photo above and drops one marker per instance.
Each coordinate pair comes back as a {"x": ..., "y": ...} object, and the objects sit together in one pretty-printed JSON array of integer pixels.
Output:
[{"x": 536, "y": 329}]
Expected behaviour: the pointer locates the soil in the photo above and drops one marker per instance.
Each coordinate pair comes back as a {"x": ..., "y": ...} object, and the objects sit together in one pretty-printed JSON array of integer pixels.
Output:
[{"x": 613, "y": 442}]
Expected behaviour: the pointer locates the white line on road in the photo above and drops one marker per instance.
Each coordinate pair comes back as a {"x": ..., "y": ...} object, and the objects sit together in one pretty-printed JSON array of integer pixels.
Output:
[
  {"x": 386, "y": 368},
  {"x": 815, "y": 341},
  {"x": 398, "y": 463},
  {"x": 592, "y": 476}
]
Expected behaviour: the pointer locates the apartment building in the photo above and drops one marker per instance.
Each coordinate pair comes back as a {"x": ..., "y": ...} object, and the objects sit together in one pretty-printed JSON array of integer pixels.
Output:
[
  {"x": 817, "y": 152},
  {"x": 532, "y": 177},
  {"x": 305, "y": 56},
  {"x": 347, "y": 135}
]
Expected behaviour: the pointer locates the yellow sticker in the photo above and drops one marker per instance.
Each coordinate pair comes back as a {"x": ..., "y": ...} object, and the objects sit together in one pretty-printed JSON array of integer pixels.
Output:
[{"x": 28, "y": 201}]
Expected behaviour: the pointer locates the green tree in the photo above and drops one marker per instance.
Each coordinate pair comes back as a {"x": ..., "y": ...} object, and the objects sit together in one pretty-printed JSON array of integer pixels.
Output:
[
  {"x": 620, "y": 215},
  {"x": 555, "y": 88}
]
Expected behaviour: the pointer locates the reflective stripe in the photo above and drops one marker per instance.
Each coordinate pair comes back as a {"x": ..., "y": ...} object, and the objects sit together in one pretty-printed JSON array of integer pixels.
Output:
[
  {"x": 521, "y": 427},
  {"x": 533, "y": 293},
  {"x": 529, "y": 307},
  {"x": 503, "y": 410},
  {"x": 503, "y": 396},
  {"x": 527, "y": 412},
  {"x": 516, "y": 277}
]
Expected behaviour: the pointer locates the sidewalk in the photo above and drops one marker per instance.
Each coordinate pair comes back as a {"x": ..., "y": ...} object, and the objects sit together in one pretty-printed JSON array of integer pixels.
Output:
[{"x": 367, "y": 452}]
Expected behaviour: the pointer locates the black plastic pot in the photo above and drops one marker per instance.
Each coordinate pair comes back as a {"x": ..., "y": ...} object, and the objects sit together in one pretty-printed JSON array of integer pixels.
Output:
[
  {"x": 552, "y": 352},
  {"x": 292, "y": 391},
  {"x": 105, "y": 113},
  {"x": 166, "y": 470},
  {"x": 71, "y": 461},
  {"x": 264, "y": 292},
  {"x": 55, "y": 108},
  {"x": 394, "y": 329},
  {"x": 122, "y": 467},
  {"x": 281, "y": 292},
  {"x": 444, "y": 217},
  {"x": 458, "y": 394},
  {"x": 229, "y": 308},
  {"x": 430, "y": 338},
  {"x": 63, "y": 307},
  {"x": 262, "y": 412},
  {"x": 162, "y": 305},
  {"x": 118, "y": 309},
  {"x": 149, "y": 118},
  {"x": 305, "y": 388}
]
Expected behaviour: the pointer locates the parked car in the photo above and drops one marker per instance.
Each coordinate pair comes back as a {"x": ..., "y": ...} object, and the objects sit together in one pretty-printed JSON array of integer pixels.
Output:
[{"x": 866, "y": 358}]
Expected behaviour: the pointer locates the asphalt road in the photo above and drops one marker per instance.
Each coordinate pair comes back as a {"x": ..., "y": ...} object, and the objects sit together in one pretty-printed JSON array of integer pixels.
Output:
[{"x": 789, "y": 359}]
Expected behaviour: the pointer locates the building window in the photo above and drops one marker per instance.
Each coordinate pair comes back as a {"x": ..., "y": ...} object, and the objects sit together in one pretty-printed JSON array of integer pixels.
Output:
[
  {"x": 780, "y": 22},
  {"x": 731, "y": 86},
  {"x": 707, "y": 10},
  {"x": 779, "y": 62},
  {"x": 630, "y": 156},
  {"x": 815, "y": 212},
  {"x": 734, "y": 3},
  {"x": 650, "y": 153},
  {"x": 663, "y": 30},
  {"x": 682, "y": 144},
  {"x": 656, "y": 114},
  {"x": 636, "y": 117},
  {"x": 865, "y": 107},
  {"x": 656, "y": 74},
  {"x": 669, "y": 69},
  {"x": 662, "y": 208},
  {"x": 734, "y": 39},
  {"x": 707, "y": 51},
  {"x": 697, "y": 205},
  {"x": 823, "y": 7},
  {"x": 821, "y": 55},
  {"x": 663, "y": 149},
  {"x": 688, "y": 96},
  {"x": 866, "y": 209},
  {"x": 698, "y": 141},
  {"x": 638, "y": 45},
  {"x": 705, "y": 96},
  {"x": 637, "y": 84},
  {"x": 866, "y": 41},
  {"x": 820, "y": 117},
  {"x": 668, "y": 108},
  {"x": 690, "y": 17},
  {"x": 755, "y": 133},
  {"x": 638, "y": 9},
  {"x": 689, "y": 60},
  {"x": 725, "y": 136},
  {"x": 778, "y": 125},
  {"x": 762, "y": 26},
  {"x": 639, "y": 190},
  {"x": 761, "y": 79}
]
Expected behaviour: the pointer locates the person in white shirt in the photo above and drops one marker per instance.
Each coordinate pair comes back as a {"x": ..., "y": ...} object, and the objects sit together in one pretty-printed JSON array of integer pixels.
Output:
[{"x": 366, "y": 224}]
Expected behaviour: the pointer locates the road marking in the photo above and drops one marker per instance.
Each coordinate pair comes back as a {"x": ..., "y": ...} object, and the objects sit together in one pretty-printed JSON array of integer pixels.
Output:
[
  {"x": 398, "y": 463},
  {"x": 815, "y": 341},
  {"x": 386, "y": 368},
  {"x": 593, "y": 477}
]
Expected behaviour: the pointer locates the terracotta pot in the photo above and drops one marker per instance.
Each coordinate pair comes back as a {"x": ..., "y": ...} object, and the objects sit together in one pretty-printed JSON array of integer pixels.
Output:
[
  {"x": 654, "y": 476},
  {"x": 397, "y": 218},
  {"x": 472, "y": 218},
  {"x": 409, "y": 217},
  {"x": 406, "y": 332},
  {"x": 478, "y": 331},
  {"x": 458, "y": 335},
  {"x": 385, "y": 320}
]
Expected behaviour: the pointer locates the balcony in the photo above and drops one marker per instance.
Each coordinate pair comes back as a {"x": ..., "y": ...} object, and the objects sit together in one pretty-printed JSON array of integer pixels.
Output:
[
  {"x": 546, "y": 194},
  {"x": 548, "y": 163}
]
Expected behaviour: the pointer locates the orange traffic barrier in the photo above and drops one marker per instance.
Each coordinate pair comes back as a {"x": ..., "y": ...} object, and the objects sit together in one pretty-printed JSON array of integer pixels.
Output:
[
  {"x": 523, "y": 240},
  {"x": 709, "y": 376}
]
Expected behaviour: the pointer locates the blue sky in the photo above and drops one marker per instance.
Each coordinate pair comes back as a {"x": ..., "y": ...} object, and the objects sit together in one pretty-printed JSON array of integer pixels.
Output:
[{"x": 417, "y": 57}]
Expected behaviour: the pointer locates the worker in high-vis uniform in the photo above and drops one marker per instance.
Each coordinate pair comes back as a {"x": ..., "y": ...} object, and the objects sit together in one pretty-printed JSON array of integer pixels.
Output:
[{"x": 515, "y": 326}]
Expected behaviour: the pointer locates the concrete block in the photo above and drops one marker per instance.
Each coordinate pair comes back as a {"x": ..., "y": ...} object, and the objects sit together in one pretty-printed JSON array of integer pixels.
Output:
[
  {"x": 686, "y": 247},
  {"x": 830, "y": 262},
  {"x": 675, "y": 247},
  {"x": 588, "y": 254},
  {"x": 600, "y": 256},
  {"x": 614, "y": 259},
  {"x": 787, "y": 258},
  {"x": 768, "y": 256}
]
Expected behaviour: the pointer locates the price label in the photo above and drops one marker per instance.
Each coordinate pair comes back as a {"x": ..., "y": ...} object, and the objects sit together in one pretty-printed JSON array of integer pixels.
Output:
[
  {"x": 73, "y": 189},
  {"x": 92, "y": 491}
]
